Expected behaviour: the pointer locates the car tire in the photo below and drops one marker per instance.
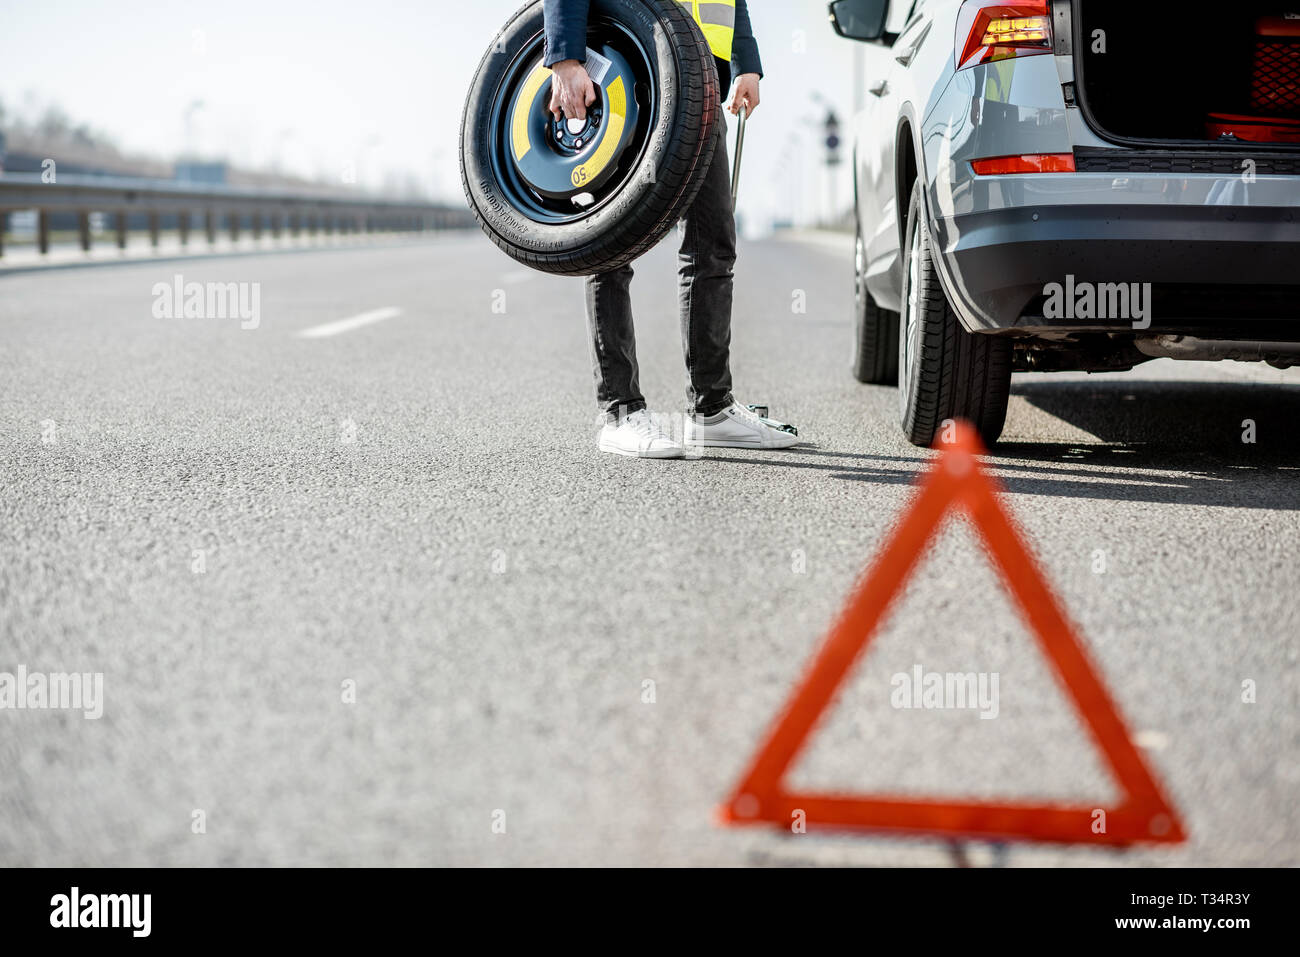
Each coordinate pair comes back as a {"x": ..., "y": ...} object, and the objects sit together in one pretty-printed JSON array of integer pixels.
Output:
[
  {"x": 649, "y": 183},
  {"x": 875, "y": 330},
  {"x": 945, "y": 372}
]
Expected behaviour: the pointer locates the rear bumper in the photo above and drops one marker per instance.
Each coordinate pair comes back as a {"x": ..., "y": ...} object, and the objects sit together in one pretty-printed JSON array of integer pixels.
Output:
[{"x": 1220, "y": 254}]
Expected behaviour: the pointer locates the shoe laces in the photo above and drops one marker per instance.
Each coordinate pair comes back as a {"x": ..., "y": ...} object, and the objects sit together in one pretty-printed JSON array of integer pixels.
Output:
[
  {"x": 748, "y": 415},
  {"x": 643, "y": 424}
]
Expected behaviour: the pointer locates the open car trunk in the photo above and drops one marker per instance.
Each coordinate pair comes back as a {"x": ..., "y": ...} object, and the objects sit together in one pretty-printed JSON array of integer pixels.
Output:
[{"x": 1222, "y": 75}]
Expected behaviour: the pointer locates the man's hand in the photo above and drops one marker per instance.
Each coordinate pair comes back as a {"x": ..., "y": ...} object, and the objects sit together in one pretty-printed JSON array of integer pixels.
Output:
[
  {"x": 571, "y": 90},
  {"x": 746, "y": 94}
]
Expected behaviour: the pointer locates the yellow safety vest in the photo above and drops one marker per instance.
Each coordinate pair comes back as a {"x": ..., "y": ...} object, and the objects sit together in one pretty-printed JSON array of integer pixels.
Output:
[{"x": 717, "y": 18}]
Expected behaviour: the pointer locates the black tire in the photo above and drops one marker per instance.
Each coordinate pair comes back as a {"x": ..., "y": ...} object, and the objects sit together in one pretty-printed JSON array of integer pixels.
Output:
[
  {"x": 945, "y": 372},
  {"x": 875, "y": 330},
  {"x": 656, "y": 177}
]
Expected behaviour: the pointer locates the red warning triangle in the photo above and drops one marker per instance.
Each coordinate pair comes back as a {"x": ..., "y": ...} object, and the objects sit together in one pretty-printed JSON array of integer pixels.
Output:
[{"x": 956, "y": 481}]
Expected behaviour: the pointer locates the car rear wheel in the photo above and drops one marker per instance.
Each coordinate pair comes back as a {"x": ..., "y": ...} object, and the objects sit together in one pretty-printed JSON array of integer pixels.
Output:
[
  {"x": 945, "y": 372},
  {"x": 875, "y": 335}
]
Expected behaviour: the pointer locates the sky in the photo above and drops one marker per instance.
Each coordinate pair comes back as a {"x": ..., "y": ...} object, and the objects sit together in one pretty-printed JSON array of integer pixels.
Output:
[{"x": 371, "y": 90}]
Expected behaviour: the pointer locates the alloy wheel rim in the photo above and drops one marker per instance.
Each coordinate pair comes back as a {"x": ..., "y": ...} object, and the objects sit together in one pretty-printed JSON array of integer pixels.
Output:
[
  {"x": 858, "y": 258},
  {"x": 908, "y": 340}
]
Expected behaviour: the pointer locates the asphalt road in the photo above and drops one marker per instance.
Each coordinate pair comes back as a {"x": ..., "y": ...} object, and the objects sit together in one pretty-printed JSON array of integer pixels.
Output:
[{"x": 237, "y": 527}]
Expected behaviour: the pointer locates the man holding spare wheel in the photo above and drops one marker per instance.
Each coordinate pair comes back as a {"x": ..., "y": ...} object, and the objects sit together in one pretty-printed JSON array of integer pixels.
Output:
[{"x": 708, "y": 252}]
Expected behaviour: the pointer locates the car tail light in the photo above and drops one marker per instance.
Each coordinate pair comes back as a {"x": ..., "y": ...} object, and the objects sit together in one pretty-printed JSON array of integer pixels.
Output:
[
  {"x": 995, "y": 31},
  {"x": 1025, "y": 163}
]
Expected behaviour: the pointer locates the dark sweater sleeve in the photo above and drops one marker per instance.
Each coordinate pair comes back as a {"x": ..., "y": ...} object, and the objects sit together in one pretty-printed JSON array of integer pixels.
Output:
[
  {"x": 566, "y": 30},
  {"x": 744, "y": 48}
]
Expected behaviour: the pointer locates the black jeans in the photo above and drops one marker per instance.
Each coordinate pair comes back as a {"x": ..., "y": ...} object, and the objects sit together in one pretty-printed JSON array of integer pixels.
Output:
[{"x": 705, "y": 260}]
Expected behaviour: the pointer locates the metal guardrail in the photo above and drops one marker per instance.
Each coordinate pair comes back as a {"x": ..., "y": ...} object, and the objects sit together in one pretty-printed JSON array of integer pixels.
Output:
[{"x": 274, "y": 210}]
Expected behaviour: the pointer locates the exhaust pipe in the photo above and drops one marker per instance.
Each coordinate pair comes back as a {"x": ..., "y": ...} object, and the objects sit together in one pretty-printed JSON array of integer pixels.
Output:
[{"x": 1282, "y": 355}]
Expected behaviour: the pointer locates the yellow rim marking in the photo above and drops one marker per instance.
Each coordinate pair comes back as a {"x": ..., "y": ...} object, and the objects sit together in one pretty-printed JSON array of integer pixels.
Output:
[
  {"x": 613, "y": 132},
  {"x": 523, "y": 104}
]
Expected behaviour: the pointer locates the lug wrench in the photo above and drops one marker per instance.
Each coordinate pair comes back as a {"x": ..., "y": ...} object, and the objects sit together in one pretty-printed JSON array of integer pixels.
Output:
[{"x": 740, "y": 148}]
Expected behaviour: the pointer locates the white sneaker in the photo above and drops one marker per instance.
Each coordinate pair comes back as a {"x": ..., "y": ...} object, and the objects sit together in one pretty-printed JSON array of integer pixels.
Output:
[
  {"x": 639, "y": 435},
  {"x": 736, "y": 427}
]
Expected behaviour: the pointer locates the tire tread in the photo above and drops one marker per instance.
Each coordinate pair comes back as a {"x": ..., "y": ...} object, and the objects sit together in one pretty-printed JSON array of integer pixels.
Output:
[{"x": 960, "y": 375}]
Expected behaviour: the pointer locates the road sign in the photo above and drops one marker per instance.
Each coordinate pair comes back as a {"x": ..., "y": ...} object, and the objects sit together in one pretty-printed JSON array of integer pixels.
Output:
[
  {"x": 831, "y": 128},
  {"x": 957, "y": 481}
]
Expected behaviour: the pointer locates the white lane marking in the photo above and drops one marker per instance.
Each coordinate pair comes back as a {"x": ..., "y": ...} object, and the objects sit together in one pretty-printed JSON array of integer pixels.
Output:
[
  {"x": 352, "y": 322},
  {"x": 519, "y": 275}
]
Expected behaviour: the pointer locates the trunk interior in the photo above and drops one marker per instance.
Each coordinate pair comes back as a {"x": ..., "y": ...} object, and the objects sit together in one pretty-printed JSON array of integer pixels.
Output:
[{"x": 1167, "y": 67}]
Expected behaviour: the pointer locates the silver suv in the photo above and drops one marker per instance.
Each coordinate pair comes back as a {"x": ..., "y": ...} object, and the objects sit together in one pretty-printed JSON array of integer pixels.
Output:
[{"x": 1071, "y": 185}]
